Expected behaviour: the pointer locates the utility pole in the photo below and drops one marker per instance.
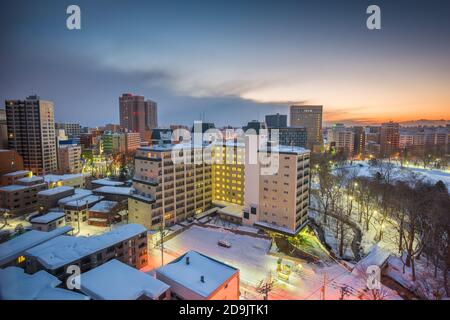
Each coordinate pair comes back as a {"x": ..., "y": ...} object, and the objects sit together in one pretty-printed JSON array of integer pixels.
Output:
[
  {"x": 265, "y": 287},
  {"x": 324, "y": 286}
]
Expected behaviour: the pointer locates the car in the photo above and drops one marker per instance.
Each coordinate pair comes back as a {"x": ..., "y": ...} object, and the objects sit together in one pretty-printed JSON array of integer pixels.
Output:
[{"x": 223, "y": 243}]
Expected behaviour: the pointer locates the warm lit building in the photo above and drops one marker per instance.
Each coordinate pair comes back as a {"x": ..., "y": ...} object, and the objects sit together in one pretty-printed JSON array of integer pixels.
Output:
[
  {"x": 132, "y": 141},
  {"x": 309, "y": 117},
  {"x": 31, "y": 132},
  {"x": 49, "y": 221},
  {"x": 167, "y": 193},
  {"x": 359, "y": 146},
  {"x": 341, "y": 140},
  {"x": 103, "y": 213},
  {"x": 49, "y": 198},
  {"x": 69, "y": 159},
  {"x": 194, "y": 276}
]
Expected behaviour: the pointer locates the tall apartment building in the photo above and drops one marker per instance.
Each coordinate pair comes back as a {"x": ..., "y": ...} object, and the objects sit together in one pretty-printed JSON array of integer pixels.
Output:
[
  {"x": 137, "y": 114},
  {"x": 69, "y": 159},
  {"x": 73, "y": 130},
  {"x": 309, "y": 117},
  {"x": 341, "y": 139},
  {"x": 389, "y": 138},
  {"x": 166, "y": 192},
  {"x": 276, "y": 120},
  {"x": 3, "y": 130},
  {"x": 31, "y": 132},
  {"x": 359, "y": 146},
  {"x": 283, "y": 197}
]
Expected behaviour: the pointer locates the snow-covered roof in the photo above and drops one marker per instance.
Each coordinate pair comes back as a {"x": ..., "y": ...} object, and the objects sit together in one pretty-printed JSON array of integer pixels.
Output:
[
  {"x": 49, "y": 178},
  {"x": 104, "y": 206},
  {"x": 108, "y": 182},
  {"x": 277, "y": 228},
  {"x": 16, "y": 173},
  {"x": 89, "y": 200},
  {"x": 13, "y": 248},
  {"x": 54, "y": 191},
  {"x": 13, "y": 187},
  {"x": 15, "y": 284},
  {"x": 215, "y": 273},
  {"x": 79, "y": 194},
  {"x": 114, "y": 190},
  {"x": 376, "y": 257},
  {"x": 31, "y": 179},
  {"x": 115, "y": 280},
  {"x": 49, "y": 217},
  {"x": 233, "y": 210},
  {"x": 65, "y": 249}
]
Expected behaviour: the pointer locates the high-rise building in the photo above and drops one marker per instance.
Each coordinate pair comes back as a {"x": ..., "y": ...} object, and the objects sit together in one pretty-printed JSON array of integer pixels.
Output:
[
  {"x": 137, "y": 114},
  {"x": 166, "y": 192},
  {"x": 290, "y": 136},
  {"x": 69, "y": 158},
  {"x": 276, "y": 120},
  {"x": 309, "y": 117},
  {"x": 359, "y": 147},
  {"x": 31, "y": 131},
  {"x": 3, "y": 130},
  {"x": 341, "y": 139},
  {"x": 389, "y": 138},
  {"x": 72, "y": 130}
]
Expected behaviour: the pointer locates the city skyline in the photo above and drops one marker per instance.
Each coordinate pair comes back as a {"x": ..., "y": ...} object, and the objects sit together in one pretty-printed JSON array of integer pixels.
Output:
[{"x": 319, "y": 53}]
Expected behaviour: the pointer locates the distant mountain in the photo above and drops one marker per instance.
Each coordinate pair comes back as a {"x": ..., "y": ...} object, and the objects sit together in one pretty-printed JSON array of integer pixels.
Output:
[{"x": 425, "y": 122}]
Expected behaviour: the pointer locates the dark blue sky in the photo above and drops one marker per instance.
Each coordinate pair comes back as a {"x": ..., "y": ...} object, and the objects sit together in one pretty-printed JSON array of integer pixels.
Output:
[{"x": 233, "y": 60}]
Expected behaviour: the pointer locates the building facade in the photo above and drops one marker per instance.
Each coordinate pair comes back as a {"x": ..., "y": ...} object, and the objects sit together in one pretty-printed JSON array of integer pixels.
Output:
[
  {"x": 389, "y": 138},
  {"x": 309, "y": 117},
  {"x": 31, "y": 132},
  {"x": 69, "y": 159}
]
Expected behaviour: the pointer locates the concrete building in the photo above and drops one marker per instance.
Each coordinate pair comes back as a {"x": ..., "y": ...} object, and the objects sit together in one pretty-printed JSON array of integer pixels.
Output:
[
  {"x": 167, "y": 193},
  {"x": 3, "y": 130},
  {"x": 103, "y": 213},
  {"x": 132, "y": 141},
  {"x": 21, "y": 198},
  {"x": 11, "y": 178},
  {"x": 69, "y": 159},
  {"x": 276, "y": 120},
  {"x": 49, "y": 198},
  {"x": 341, "y": 139},
  {"x": 113, "y": 143},
  {"x": 127, "y": 243},
  {"x": 194, "y": 276},
  {"x": 31, "y": 132},
  {"x": 10, "y": 161},
  {"x": 115, "y": 280},
  {"x": 389, "y": 138},
  {"x": 72, "y": 130},
  {"x": 76, "y": 180},
  {"x": 137, "y": 114},
  {"x": 309, "y": 117},
  {"x": 49, "y": 221},
  {"x": 290, "y": 136},
  {"x": 359, "y": 146}
]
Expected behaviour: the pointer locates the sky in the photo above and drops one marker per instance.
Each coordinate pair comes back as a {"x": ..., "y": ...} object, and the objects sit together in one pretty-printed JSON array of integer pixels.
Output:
[{"x": 233, "y": 61}]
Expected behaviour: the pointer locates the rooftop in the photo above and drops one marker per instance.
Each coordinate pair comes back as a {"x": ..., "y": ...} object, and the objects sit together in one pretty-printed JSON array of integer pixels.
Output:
[
  {"x": 49, "y": 178},
  {"x": 108, "y": 182},
  {"x": 13, "y": 248},
  {"x": 54, "y": 191},
  {"x": 104, "y": 206},
  {"x": 49, "y": 217},
  {"x": 66, "y": 249},
  {"x": 16, "y": 173},
  {"x": 215, "y": 273},
  {"x": 79, "y": 194},
  {"x": 88, "y": 200},
  {"x": 31, "y": 179},
  {"x": 115, "y": 280},
  {"x": 17, "y": 285},
  {"x": 114, "y": 190}
]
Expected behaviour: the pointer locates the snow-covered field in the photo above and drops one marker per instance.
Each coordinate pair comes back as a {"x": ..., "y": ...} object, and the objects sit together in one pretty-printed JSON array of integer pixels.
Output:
[{"x": 251, "y": 256}]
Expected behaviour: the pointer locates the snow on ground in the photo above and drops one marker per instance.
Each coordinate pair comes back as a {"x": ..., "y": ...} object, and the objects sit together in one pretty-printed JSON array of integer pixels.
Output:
[{"x": 251, "y": 256}]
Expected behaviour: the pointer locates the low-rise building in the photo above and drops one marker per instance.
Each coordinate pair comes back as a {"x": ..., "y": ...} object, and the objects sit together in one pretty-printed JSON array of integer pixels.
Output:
[
  {"x": 127, "y": 243},
  {"x": 17, "y": 285},
  {"x": 77, "y": 180},
  {"x": 12, "y": 251},
  {"x": 11, "y": 177},
  {"x": 118, "y": 194},
  {"x": 115, "y": 280},
  {"x": 103, "y": 213},
  {"x": 49, "y": 198},
  {"x": 10, "y": 161},
  {"x": 194, "y": 276},
  {"x": 49, "y": 222},
  {"x": 21, "y": 198},
  {"x": 77, "y": 210}
]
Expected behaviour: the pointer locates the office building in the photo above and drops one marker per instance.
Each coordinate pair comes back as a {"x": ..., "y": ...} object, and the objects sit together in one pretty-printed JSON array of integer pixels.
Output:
[
  {"x": 72, "y": 130},
  {"x": 276, "y": 120},
  {"x": 309, "y": 117},
  {"x": 290, "y": 136},
  {"x": 389, "y": 138},
  {"x": 341, "y": 140},
  {"x": 137, "y": 114}
]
